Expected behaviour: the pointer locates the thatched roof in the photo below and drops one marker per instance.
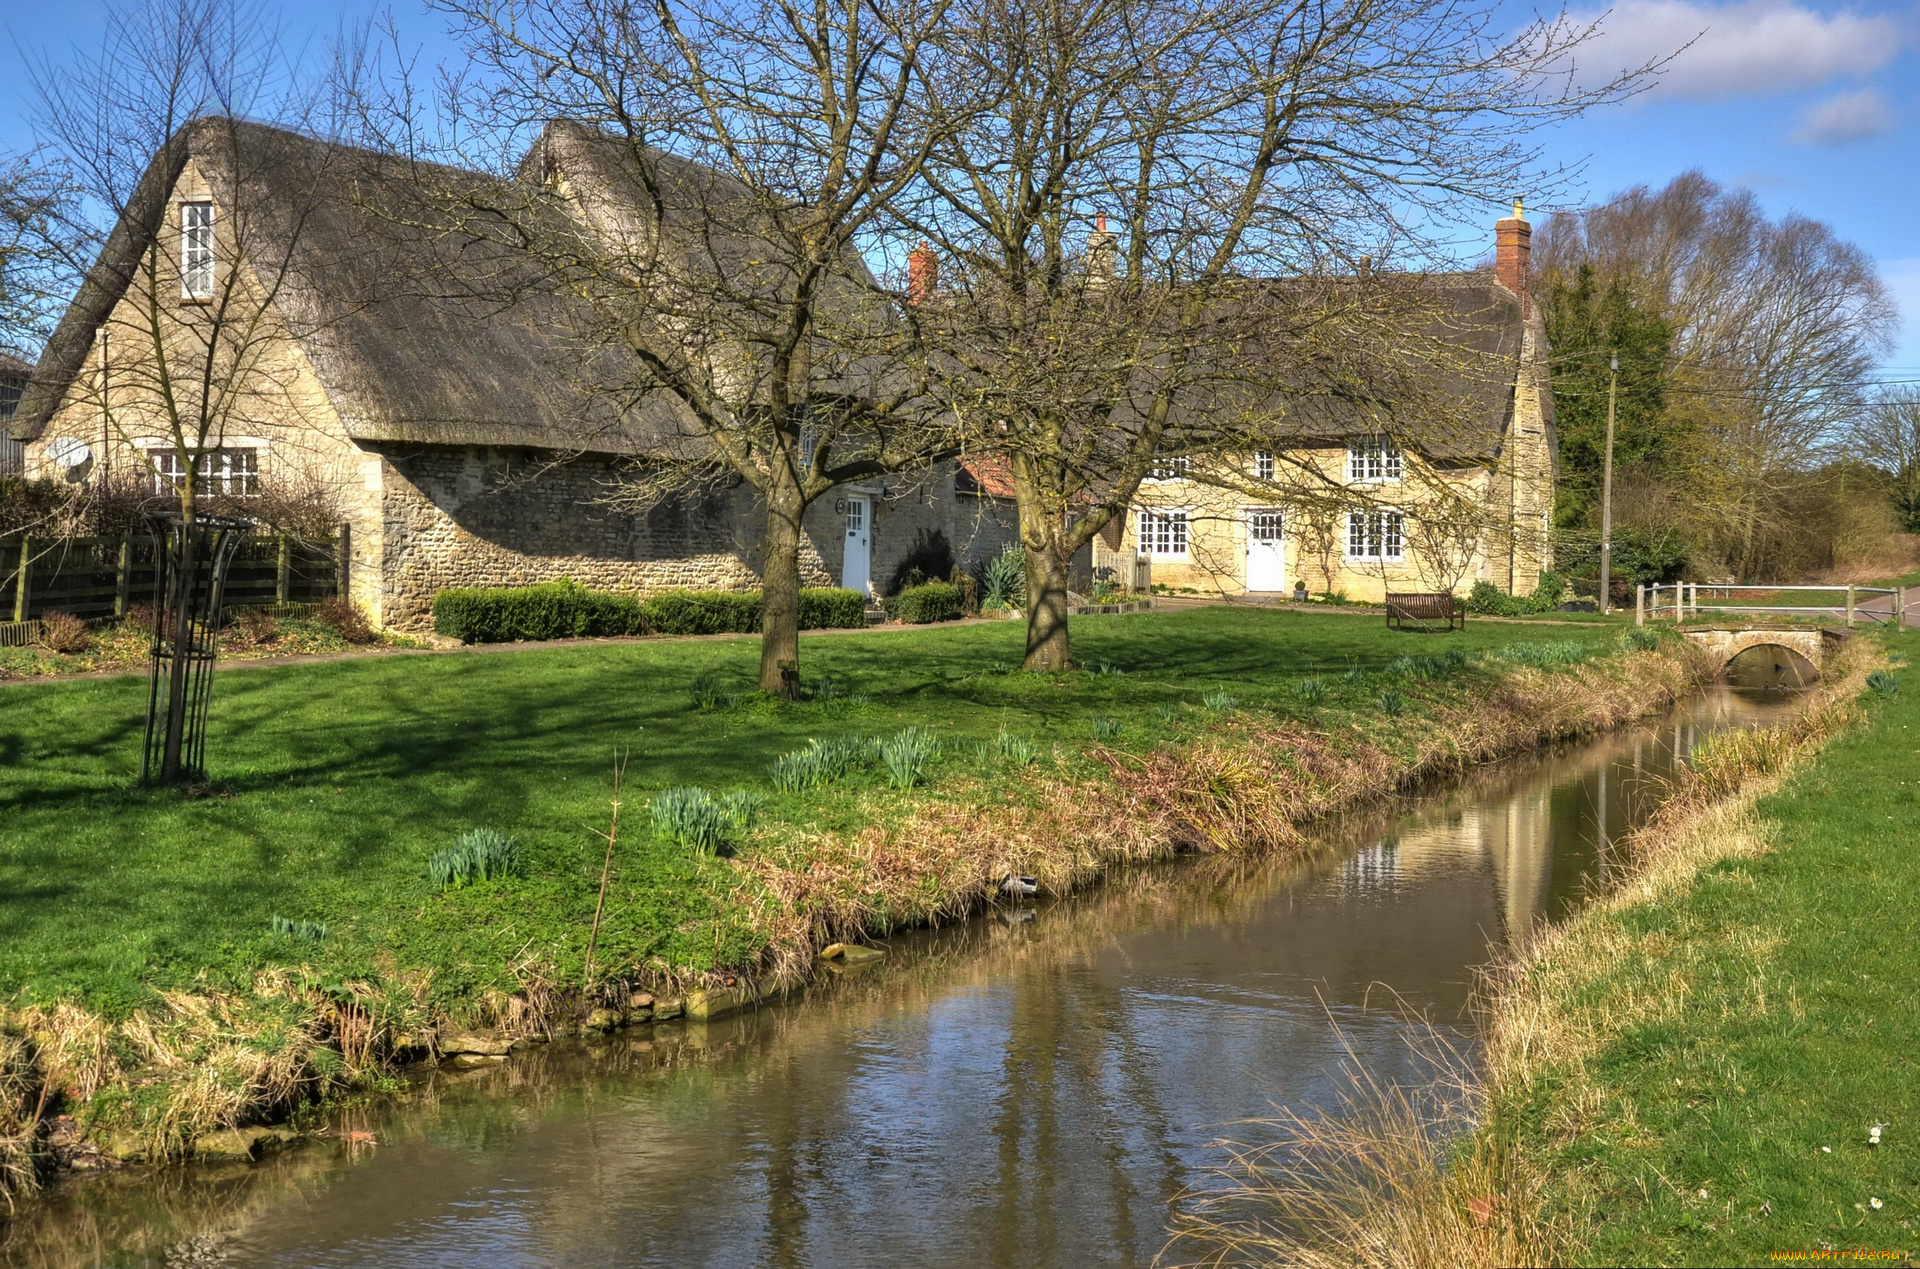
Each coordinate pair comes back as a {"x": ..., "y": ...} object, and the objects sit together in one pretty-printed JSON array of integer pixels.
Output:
[
  {"x": 406, "y": 286},
  {"x": 397, "y": 279},
  {"x": 1452, "y": 394}
]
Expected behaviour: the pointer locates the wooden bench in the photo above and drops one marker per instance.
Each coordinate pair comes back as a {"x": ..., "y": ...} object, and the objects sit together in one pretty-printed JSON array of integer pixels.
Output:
[{"x": 1424, "y": 606}]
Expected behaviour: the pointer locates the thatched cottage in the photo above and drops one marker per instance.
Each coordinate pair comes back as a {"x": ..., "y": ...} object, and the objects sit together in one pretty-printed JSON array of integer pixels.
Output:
[
  {"x": 403, "y": 368},
  {"x": 372, "y": 357},
  {"x": 1431, "y": 508}
]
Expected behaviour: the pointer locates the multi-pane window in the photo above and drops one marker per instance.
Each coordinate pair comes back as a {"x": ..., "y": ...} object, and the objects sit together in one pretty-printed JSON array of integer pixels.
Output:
[
  {"x": 1374, "y": 458},
  {"x": 235, "y": 472},
  {"x": 1174, "y": 467},
  {"x": 1376, "y": 535},
  {"x": 1264, "y": 526},
  {"x": 1263, "y": 464},
  {"x": 196, "y": 251},
  {"x": 1163, "y": 533}
]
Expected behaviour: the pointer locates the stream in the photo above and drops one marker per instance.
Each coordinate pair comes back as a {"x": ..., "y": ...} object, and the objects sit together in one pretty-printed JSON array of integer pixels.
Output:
[{"x": 1035, "y": 1087}]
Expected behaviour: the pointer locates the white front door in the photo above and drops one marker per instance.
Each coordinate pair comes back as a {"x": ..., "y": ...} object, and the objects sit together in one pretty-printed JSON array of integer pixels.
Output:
[
  {"x": 1266, "y": 551},
  {"x": 858, "y": 559}
]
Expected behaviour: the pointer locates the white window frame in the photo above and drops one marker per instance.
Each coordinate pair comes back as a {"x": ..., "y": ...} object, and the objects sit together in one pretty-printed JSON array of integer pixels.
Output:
[
  {"x": 1170, "y": 467},
  {"x": 1375, "y": 535},
  {"x": 1279, "y": 524},
  {"x": 1373, "y": 459},
  {"x": 196, "y": 251},
  {"x": 1165, "y": 533},
  {"x": 233, "y": 472},
  {"x": 1263, "y": 464}
]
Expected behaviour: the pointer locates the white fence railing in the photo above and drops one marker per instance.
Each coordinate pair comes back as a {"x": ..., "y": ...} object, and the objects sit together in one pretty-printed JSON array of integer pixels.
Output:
[{"x": 1678, "y": 601}]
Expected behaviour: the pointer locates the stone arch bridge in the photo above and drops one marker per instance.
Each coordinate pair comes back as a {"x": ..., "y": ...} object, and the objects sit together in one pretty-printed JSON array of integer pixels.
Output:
[{"x": 1724, "y": 645}]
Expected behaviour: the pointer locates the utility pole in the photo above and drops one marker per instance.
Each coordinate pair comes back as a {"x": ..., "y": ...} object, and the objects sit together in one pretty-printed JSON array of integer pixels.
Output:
[{"x": 1606, "y": 494}]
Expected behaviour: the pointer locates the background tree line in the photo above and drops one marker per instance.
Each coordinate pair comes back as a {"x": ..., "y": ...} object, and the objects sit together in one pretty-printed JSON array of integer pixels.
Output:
[{"x": 1750, "y": 441}]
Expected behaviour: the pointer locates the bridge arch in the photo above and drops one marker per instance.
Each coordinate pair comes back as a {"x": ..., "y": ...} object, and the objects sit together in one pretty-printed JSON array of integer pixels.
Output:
[{"x": 1796, "y": 654}]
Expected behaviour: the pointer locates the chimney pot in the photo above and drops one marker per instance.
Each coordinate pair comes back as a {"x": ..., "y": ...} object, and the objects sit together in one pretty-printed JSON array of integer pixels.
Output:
[
  {"x": 1513, "y": 251},
  {"x": 923, "y": 274}
]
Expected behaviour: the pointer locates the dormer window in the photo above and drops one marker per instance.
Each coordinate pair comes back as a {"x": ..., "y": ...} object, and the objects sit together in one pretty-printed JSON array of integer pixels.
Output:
[
  {"x": 1174, "y": 467},
  {"x": 196, "y": 251},
  {"x": 1374, "y": 458}
]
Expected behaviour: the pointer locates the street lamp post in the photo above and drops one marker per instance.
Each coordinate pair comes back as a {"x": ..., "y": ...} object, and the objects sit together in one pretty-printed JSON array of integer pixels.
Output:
[{"x": 1606, "y": 495}]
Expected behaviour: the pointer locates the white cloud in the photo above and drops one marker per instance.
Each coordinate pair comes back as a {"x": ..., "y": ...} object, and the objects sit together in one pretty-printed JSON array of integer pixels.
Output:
[
  {"x": 1755, "y": 48},
  {"x": 1841, "y": 120}
]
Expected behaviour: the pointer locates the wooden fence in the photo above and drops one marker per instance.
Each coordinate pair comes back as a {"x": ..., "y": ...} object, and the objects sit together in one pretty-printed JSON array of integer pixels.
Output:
[{"x": 101, "y": 577}]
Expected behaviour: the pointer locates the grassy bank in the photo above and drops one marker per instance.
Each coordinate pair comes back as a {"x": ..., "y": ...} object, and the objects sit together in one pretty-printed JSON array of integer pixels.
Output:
[
  {"x": 1692, "y": 1070},
  {"x": 152, "y": 987}
]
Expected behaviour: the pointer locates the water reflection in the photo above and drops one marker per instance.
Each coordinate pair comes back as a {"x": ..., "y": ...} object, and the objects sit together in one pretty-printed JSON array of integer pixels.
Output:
[{"x": 1008, "y": 1092}]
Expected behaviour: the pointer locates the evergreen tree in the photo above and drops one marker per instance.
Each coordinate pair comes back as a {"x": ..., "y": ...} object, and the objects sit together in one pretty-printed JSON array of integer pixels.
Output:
[{"x": 1587, "y": 323}]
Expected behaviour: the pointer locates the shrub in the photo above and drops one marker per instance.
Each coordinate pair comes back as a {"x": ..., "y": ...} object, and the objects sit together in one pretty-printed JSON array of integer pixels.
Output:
[
  {"x": 930, "y": 556},
  {"x": 698, "y": 612},
  {"x": 821, "y": 763},
  {"x": 1105, "y": 728},
  {"x": 1883, "y": 683},
  {"x": 934, "y": 601},
  {"x": 299, "y": 931},
  {"x": 349, "y": 618},
  {"x": 1392, "y": 703},
  {"x": 1488, "y": 599},
  {"x": 63, "y": 632},
  {"x": 1219, "y": 702},
  {"x": 256, "y": 625},
  {"x": 1312, "y": 691},
  {"x": 480, "y": 854},
  {"x": 969, "y": 592},
  {"x": 906, "y": 756},
  {"x": 1003, "y": 582},
  {"x": 1103, "y": 592},
  {"x": 140, "y": 617},
  {"x": 831, "y": 608}
]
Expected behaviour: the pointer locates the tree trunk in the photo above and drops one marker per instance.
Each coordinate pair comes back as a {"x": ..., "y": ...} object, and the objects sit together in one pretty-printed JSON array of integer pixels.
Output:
[
  {"x": 181, "y": 586},
  {"x": 1047, "y": 644},
  {"x": 780, "y": 589}
]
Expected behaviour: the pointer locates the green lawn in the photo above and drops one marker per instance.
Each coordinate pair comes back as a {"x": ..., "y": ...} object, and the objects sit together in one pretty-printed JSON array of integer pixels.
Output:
[
  {"x": 1743, "y": 1127},
  {"x": 333, "y": 782}
]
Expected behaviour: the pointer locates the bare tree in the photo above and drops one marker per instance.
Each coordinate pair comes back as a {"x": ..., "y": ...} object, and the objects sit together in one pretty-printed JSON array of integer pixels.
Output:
[
  {"x": 717, "y": 170},
  {"x": 187, "y": 238},
  {"x": 1227, "y": 144},
  {"x": 36, "y": 212},
  {"x": 1886, "y": 436},
  {"x": 1776, "y": 323}
]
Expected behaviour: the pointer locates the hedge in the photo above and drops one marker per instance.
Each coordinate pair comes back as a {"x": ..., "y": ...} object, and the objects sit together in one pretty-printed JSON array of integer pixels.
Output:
[
  {"x": 552, "y": 610},
  {"x": 567, "y": 610},
  {"x": 935, "y": 601}
]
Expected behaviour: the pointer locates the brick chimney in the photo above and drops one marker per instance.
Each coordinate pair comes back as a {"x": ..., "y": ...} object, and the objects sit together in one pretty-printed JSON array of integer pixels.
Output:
[
  {"x": 1513, "y": 251},
  {"x": 923, "y": 274},
  {"x": 1103, "y": 253}
]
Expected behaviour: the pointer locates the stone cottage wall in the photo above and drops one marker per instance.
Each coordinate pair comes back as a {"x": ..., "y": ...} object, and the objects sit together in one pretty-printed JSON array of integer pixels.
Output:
[{"x": 473, "y": 516}]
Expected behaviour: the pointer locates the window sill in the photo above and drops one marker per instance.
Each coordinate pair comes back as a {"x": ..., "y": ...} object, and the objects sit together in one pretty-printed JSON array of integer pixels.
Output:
[{"x": 196, "y": 301}]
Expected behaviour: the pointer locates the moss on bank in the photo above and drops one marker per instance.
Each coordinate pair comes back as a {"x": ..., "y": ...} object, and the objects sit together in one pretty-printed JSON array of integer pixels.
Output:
[{"x": 258, "y": 1028}]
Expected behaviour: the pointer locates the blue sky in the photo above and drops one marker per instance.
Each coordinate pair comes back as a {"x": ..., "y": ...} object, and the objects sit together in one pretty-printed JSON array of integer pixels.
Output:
[{"x": 1815, "y": 107}]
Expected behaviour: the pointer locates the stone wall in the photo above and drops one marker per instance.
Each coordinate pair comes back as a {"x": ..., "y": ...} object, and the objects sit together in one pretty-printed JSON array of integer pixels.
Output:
[
  {"x": 468, "y": 516},
  {"x": 471, "y": 516}
]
